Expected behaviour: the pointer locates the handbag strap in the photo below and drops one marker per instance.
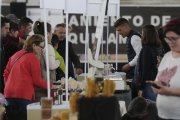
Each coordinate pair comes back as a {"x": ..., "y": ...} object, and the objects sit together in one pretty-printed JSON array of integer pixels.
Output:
[{"x": 17, "y": 59}]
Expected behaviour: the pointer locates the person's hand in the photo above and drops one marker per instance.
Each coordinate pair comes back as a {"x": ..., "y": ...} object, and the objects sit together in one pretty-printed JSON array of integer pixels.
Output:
[
  {"x": 79, "y": 71},
  {"x": 163, "y": 90},
  {"x": 126, "y": 68}
]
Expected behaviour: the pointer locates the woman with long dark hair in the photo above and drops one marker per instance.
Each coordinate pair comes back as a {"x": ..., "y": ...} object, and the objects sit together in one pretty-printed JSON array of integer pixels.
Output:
[{"x": 146, "y": 68}]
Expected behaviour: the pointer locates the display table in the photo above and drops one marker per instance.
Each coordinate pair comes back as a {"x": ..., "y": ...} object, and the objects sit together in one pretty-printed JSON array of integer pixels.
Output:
[{"x": 34, "y": 110}]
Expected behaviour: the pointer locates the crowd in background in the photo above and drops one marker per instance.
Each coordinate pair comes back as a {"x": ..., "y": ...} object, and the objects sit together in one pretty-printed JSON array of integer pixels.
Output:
[
  {"x": 23, "y": 60},
  {"x": 153, "y": 55}
]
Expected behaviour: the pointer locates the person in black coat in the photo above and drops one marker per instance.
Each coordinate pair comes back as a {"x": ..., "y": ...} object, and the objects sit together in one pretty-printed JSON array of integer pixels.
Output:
[
  {"x": 60, "y": 31},
  {"x": 147, "y": 64},
  {"x": 11, "y": 41},
  {"x": 5, "y": 25}
]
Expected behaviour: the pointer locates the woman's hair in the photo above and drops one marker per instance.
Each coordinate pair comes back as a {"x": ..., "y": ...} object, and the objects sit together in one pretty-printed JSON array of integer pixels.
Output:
[
  {"x": 173, "y": 25},
  {"x": 34, "y": 39},
  {"x": 150, "y": 36},
  {"x": 165, "y": 46},
  {"x": 38, "y": 28},
  {"x": 137, "y": 106}
]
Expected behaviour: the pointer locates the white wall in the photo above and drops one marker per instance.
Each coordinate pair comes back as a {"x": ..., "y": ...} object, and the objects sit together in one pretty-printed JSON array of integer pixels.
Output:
[
  {"x": 33, "y": 3},
  {"x": 122, "y": 2}
]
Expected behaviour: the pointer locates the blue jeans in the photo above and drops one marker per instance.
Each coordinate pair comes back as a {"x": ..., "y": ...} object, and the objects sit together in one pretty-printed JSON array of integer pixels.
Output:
[
  {"x": 16, "y": 109},
  {"x": 148, "y": 92}
]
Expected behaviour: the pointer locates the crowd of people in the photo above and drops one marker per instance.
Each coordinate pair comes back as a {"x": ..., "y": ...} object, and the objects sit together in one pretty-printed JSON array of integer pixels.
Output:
[
  {"x": 23, "y": 61},
  {"x": 153, "y": 55}
]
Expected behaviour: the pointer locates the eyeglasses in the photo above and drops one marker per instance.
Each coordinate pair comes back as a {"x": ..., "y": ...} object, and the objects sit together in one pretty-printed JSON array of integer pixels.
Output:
[
  {"x": 171, "y": 39},
  {"x": 41, "y": 46}
]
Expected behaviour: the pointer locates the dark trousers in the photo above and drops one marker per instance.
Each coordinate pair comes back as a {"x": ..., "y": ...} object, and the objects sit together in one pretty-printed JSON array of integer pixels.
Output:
[
  {"x": 16, "y": 108},
  {"x": 134, "y": 90}
]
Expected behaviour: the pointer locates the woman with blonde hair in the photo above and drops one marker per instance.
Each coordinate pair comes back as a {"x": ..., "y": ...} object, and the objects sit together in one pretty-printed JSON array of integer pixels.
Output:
[{"x": 23, "y": 74}]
